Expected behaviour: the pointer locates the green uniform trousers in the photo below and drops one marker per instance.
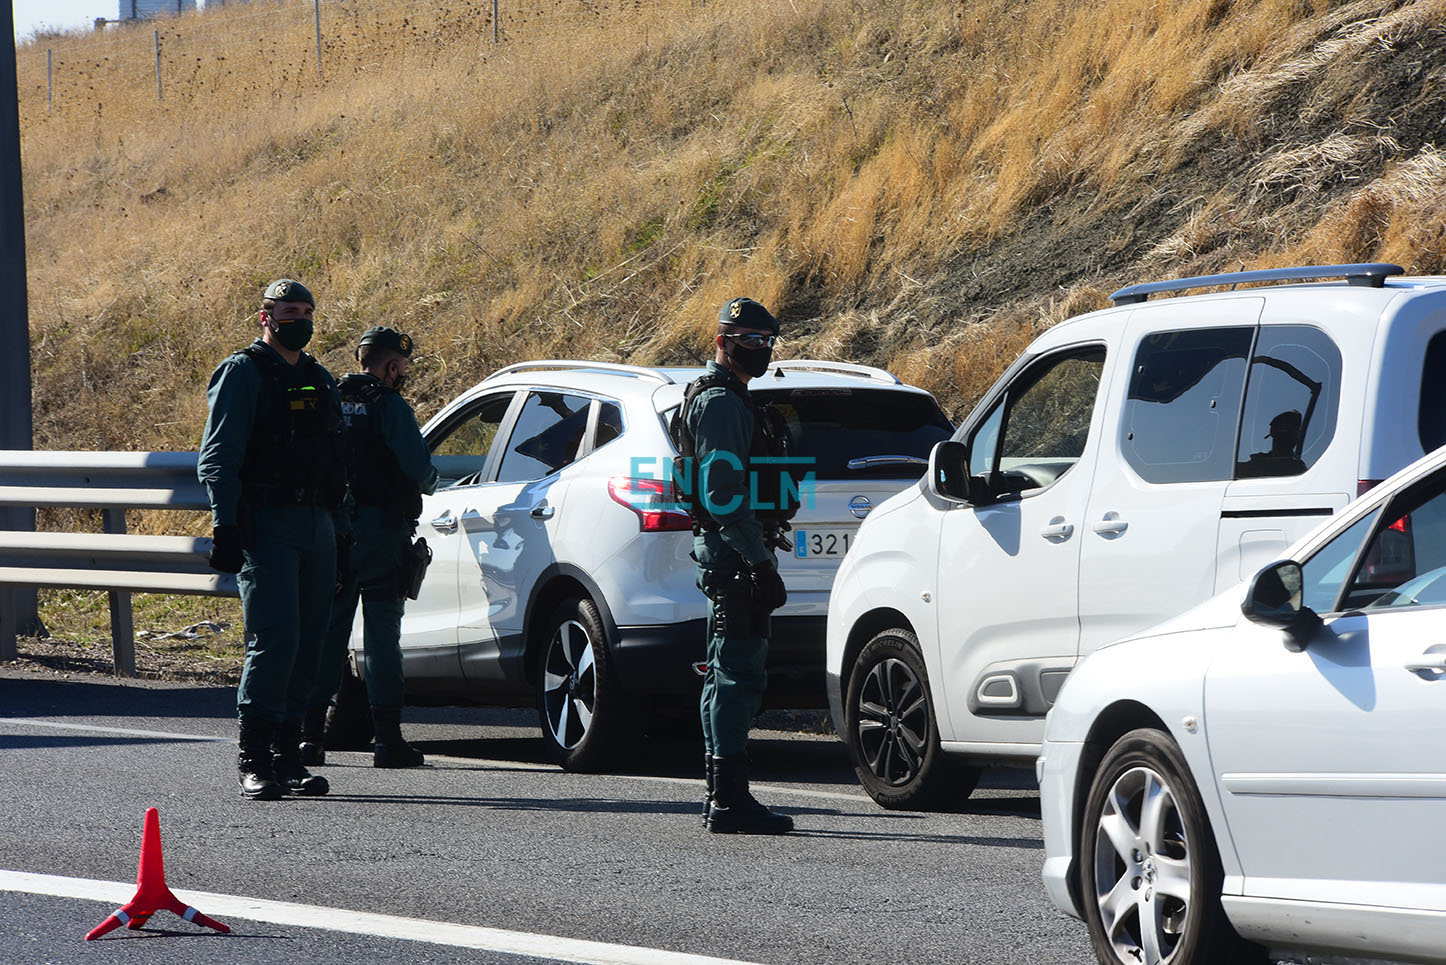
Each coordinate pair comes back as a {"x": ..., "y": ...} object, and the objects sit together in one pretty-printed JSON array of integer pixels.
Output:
[
  {"x": 376, "y": 560},
  {"x": 735, "y": 679},
  {"x": 286, "y": 583}
]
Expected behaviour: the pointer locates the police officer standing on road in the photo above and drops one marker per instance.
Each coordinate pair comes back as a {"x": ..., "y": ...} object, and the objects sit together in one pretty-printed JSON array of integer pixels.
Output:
[
  {"x": 274, "y": 469},
  {"x": 390, "y": 469},
  {"x": 721, "y": 428}
]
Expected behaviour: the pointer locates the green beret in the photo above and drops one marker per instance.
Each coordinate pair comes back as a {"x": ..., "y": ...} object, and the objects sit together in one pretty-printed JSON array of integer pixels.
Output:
[
  {"x": 746, "y": 313},
  {"x": 289, "y": 290},
  {"x": 387, "y": 338}
]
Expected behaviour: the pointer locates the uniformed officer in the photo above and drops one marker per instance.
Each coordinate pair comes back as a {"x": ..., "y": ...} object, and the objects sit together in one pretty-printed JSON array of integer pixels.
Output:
[
  {"x": 272, "y": 462},
  {"x": 390, "y": 469},
  {"x": 736, "y": 568}
]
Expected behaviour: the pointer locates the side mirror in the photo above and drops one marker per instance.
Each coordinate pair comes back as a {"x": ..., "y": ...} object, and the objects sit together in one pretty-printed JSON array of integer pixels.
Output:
[
  {"x": 949, "y": 476},
  {"x": 1275, "y": 600}
]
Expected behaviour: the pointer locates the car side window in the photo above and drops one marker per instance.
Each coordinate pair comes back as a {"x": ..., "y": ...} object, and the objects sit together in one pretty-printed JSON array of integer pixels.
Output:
[
  {"x": 460, "y": 451},
  {"x": 1326, "y": 572},
  {"x": 548, "y": 434},
  {"x": 1291, "y": 399},
  {"x": 1042, "y": 425},
  {"x": 1407, "y": 557},
  {"x": 609, "y": 424},
  {"x": 1393, "y": 558},
  {"x": 1183, "y": 407}
]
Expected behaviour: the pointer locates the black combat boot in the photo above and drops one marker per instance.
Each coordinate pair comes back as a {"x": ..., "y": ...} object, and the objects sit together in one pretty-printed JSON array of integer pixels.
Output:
[
  {"x": 286, "y": 760},
  {"x": 258, "y": 780},
  {"x": 391, "y": 749},
  {"x": 734, "y": 810},
  {"x": 313, "y": 735}
]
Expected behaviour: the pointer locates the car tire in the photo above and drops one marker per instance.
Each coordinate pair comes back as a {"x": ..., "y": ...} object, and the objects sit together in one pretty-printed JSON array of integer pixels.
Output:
[
  {"x": 1149, "y": 873},
  {"x": 349, "y": 722},
  {"x": 585, "y": 715},
  {"x": 891, "y": 731}
]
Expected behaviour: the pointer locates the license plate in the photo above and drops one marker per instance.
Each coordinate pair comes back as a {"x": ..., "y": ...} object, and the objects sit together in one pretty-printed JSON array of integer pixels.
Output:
[{"x": 809, "y": 544}]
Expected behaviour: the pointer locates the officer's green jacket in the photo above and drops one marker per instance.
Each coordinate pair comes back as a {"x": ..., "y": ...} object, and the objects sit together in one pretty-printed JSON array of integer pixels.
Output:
[
  {"x": 722, "y": 429},
  {"x": 398, "y": 426},
  {"x": 233, "y": 397}
]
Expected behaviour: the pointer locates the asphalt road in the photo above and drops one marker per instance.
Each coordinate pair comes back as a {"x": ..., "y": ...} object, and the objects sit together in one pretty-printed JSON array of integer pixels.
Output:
[{"x": 489, "y": 836}]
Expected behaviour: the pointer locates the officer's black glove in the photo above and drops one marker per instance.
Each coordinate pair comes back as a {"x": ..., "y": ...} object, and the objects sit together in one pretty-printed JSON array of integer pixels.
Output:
[
  {"x": 226, "y": 554},
  {"x": 769, "y": 593}
]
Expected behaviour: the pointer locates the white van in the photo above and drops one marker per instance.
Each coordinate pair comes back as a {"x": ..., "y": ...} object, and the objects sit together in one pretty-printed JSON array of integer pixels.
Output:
[{"x": 1133, "y": 462}]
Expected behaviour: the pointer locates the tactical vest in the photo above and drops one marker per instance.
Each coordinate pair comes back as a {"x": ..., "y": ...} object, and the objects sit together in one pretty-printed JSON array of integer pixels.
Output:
[
  {"x": 375, "y": 475},
  {"x": 295, "y": 453},
  {"x": 774, "y": 484}
]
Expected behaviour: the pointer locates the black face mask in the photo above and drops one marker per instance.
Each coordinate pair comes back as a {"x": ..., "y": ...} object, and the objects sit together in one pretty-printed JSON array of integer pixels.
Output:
[
  {"x": 753, "y": 361},
  {"x": 293, "y": 334}
]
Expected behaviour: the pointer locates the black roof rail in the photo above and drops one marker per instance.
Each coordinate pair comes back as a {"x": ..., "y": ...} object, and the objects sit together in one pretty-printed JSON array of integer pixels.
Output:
[{"x": 1372, "y": 275}]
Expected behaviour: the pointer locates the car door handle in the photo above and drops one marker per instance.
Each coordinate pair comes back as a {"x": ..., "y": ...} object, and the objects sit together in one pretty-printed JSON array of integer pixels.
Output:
[
  {"x": 1110, "y": 525},
  {"x": 543, "y": 511},
  {"x": 445, "y": 523},
  {"x": 1058, "y": 529},
  {"x": 1431, "y": 662}
]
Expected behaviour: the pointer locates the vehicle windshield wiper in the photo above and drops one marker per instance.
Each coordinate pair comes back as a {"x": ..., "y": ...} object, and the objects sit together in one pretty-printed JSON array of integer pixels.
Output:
[{"x": 869, "y": 462}]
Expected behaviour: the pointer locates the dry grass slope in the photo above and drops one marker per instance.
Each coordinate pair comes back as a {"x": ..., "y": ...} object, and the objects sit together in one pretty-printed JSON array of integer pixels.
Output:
[{"x": 922, "y": 185}]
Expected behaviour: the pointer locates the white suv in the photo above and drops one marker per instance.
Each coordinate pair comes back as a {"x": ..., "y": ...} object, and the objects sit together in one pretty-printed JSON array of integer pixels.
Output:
[
  {"x": 1133, "y": 462},
  {"x": 561, "y": 570}
]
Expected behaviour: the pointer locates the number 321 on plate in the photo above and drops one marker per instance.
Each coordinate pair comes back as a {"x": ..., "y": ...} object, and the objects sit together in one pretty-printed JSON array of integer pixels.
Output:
[{"x": 821, "y": 543}]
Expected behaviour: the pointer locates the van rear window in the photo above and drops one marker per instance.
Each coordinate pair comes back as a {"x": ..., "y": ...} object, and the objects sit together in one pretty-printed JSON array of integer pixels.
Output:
[
  {"x": 861, "y": 433},
  {"x": 1431, "y": 423}
]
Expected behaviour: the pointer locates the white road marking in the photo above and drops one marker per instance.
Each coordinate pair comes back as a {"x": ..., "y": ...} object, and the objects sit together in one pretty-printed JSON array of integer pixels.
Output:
[
  {"x": 689, "y": 782},
  {"x": 225, "y": 907},
  {"x": 123, "y": 731}
]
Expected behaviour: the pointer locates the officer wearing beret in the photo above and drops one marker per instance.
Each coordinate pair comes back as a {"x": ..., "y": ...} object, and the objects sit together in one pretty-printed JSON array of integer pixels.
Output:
[
  {"x": 390, "y": 469},
  {"x": 736, "y": 567},
  {"x": 272, "y": 463}
]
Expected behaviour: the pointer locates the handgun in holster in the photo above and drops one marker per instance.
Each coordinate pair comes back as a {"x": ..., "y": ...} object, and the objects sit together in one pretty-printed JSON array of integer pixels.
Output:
[{"x": 415, "y": 560}]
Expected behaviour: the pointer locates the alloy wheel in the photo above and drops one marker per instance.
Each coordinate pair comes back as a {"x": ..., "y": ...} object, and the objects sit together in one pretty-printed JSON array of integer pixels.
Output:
[
  {"x": 1142, "y": 868},
  {"x": 893, "y": 721},
  {"x": 569, "y": 684}
]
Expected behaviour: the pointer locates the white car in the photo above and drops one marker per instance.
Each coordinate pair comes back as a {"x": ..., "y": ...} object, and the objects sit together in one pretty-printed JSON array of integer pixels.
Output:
[
  {"x": 561, "y": 573},
  {"x": 1268, "y": 770},
  {"x": 1134, "y": 462}
]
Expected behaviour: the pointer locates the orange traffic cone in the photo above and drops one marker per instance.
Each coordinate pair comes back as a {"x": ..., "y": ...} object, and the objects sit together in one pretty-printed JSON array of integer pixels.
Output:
[{"x": 152, "y": 895}]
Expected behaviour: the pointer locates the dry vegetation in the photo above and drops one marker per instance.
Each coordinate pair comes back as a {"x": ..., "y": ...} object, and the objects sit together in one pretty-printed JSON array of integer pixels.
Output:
[{"x": 922, "y": 185}]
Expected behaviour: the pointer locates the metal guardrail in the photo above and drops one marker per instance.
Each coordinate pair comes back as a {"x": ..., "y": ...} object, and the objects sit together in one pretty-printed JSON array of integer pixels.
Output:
[{"x": 111, "y": 560}]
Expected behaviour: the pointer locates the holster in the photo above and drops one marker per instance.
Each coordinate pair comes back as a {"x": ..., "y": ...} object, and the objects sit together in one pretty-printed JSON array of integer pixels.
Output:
[
  {"x": 732, "y": 594},
  {"x": 415, "y": 560}
]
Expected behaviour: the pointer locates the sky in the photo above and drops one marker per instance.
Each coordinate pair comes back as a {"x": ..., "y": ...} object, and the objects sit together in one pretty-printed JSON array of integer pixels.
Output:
[{"x": 60, "y": 14}]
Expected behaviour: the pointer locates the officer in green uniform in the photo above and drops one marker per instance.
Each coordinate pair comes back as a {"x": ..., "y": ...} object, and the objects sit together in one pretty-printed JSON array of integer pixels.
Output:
[
  {"x": 736, "y": 569},
  {"x": 273, "y": 466},
  {"x": 390, "y": 469}
]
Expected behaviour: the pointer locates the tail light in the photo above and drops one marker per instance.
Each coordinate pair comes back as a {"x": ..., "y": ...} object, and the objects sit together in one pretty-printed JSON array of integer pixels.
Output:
[{"x": 654, "y": 502}]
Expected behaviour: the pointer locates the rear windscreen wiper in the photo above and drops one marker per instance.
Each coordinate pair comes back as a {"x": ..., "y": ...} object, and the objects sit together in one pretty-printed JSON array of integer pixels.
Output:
[{"x": 871, "y": 462}]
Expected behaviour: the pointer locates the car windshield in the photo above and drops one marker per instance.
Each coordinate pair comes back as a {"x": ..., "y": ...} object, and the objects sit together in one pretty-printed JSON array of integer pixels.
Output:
[{"x": 861, "y": 433}]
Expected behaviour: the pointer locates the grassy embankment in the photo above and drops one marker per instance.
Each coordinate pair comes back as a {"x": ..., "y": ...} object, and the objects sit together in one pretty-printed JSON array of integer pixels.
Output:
[{"x": 922, "y": 185}]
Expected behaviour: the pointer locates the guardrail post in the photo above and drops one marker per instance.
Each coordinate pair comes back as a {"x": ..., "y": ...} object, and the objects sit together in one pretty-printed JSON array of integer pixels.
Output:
[
  {"x": 8, "y": 650},
  {"x": 122, "y": 622}
]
